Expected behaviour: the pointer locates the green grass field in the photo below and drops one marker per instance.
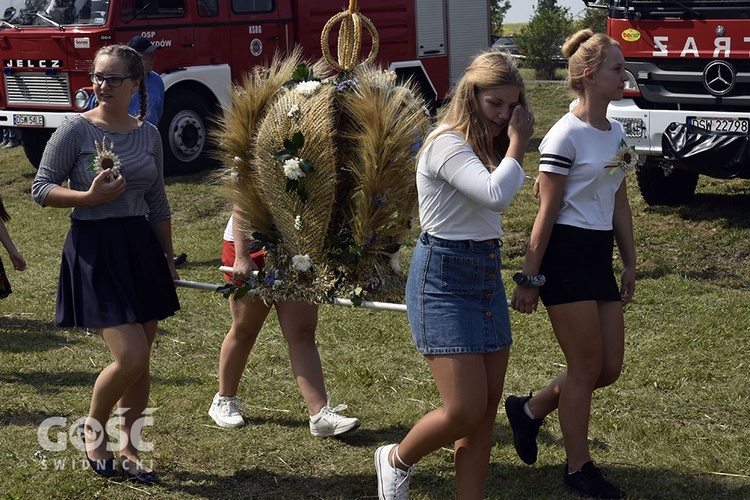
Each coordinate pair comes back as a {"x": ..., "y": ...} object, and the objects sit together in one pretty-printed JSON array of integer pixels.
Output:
[{"x": 674, "y": 426}]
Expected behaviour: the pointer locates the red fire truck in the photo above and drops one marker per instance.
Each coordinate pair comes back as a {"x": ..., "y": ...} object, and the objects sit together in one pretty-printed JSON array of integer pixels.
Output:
[
  {"x": 686, "y": 106},
  {"x": 47, "y": 47}
]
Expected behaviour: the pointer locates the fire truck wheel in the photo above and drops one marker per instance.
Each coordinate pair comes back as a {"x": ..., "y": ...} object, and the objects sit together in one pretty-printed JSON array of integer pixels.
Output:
[
  {"x": 34, "y": 142},
  {"x": 184, "y": 132},
  {"x": 656, "y": 188}
]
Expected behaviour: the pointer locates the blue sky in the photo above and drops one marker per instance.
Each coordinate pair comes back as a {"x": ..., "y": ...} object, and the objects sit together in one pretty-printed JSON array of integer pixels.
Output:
[{"x": 522, "y": 10}]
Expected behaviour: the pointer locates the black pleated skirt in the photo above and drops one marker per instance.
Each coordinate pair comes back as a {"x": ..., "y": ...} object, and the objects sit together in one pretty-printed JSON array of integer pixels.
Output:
[{"x": 113, "y": 272}]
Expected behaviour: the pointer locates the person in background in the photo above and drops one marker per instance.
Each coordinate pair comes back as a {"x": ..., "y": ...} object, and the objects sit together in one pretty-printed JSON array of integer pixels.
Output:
[
  {"x": 11, "y": 137},
  {"x": 19, "y": 264},
  {"x": 298, "y": 322},
  {"x": 117, "y": 273},
  {"x": 583, "y": 210},
  {"x": 468, "y": 172}
]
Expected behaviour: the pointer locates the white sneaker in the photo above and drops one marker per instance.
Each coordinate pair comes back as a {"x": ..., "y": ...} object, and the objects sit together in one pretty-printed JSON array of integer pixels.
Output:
[
  {"x": 393, "y": 483},
  {"x": 327, "y": 422},
  {"x": 226, "y": 411}
]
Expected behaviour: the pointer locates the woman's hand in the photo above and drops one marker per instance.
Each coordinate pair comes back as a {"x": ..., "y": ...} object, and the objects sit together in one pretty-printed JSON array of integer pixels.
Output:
[
  {"x": 242, "y": 268},
  {"x": 103, "y": 190},
  {"x": 19, "y": 264},
  {"x": 521, "y": 124},
  {"x": 525, "y": 299},
  {"x": 627, "y": 285}
]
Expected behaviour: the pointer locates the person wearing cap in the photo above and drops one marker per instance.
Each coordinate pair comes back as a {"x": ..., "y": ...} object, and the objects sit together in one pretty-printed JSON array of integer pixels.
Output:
[{"x": 154, "y": 83}]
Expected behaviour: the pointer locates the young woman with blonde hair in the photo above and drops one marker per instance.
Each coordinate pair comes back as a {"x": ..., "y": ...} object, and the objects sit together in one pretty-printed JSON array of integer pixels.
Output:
[
  {"x": 583, "y": 210},
  {"x": 469, "y": 170}
]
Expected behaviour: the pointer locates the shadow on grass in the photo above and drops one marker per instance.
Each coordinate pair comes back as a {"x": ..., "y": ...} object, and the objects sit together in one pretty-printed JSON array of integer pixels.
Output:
[
  {"x": 730, "y": 208},
  {"x": 51, "y": 382},
  {"x": 28, "y": 335},
  {"x": 503, "y": 481},
  {"x": 24, "y": 418},
  {"x": 546, "y": 482}
]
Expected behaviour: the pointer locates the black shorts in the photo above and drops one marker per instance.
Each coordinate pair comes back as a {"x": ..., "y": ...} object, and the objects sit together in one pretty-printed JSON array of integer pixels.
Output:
[{"x": 578, "y": 266}]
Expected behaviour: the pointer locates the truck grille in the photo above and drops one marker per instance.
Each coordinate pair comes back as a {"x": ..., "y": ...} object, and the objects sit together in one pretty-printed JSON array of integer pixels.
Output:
[
  {"x": 679, "y": 84},
  {"x": 38, "y": 88}
]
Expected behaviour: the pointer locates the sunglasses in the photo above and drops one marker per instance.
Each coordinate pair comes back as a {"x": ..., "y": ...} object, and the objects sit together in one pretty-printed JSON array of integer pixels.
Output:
[{"x": 112, "y": 81}]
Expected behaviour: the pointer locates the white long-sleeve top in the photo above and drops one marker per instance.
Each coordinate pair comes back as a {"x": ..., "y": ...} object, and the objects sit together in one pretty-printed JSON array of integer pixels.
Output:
[{"x": 459, "y": 199}]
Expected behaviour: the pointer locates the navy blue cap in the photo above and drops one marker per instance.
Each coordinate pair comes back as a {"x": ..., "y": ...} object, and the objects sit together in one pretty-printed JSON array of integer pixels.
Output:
[{"x": 141, "y": 44}]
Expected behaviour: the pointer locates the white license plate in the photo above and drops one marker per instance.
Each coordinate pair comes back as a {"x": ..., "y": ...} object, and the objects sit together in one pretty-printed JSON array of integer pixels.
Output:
[
  {"x": 720, "y": 124},
  {"x": 28, "y": 120}
]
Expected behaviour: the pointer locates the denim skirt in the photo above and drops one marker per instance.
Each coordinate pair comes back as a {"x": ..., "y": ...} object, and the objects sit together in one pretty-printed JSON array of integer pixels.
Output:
[
  {"x": 113, "y": 272},
  {"x": 578, "y": 266},
  {"x": 455, "y": 297}
]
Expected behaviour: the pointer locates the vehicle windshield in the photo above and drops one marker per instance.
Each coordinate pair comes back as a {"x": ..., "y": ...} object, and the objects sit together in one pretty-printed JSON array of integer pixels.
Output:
[{"x": 20, "y": 13}]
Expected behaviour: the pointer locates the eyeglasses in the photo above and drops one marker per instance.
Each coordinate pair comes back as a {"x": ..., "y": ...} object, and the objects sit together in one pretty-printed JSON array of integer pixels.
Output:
[{"x": 112, "y": 81}]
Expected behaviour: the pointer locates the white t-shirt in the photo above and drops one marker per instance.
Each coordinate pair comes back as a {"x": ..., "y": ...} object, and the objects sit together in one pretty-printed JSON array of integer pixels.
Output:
[
  {"x": 458, "y": 197},
  {"x": 229, "y": 231},
  {"x": 585, "y": 155}
]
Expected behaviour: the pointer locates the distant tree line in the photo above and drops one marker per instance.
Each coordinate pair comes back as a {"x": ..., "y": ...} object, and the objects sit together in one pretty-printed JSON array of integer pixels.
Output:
[{"x": 540, "y": 39}]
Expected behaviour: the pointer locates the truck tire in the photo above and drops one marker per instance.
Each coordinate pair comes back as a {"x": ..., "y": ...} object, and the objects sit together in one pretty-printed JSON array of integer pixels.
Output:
[
  {"x": 656, "y": 188},
  {"x": 184, "y": 129},
  {"x": 34, "y": 141}
]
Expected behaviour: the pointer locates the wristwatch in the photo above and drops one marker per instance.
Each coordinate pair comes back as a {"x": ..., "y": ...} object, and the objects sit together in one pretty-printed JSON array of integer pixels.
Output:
[{"x": 526, "y": 280}]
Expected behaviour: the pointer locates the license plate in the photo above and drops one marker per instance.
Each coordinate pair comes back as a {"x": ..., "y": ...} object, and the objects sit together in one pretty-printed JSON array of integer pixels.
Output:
[
  {"x": 28, "y": 120},
  {"x": 720, "y": 124}
]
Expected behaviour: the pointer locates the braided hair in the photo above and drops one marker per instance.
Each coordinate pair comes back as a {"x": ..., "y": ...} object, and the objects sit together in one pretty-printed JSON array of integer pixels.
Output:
[{"x": 134, "y": 65}]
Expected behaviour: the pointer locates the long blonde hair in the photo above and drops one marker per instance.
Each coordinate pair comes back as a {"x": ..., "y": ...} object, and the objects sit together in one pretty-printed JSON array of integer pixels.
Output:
[
  {"x": 585, "y": 50},
  {"x": 489, "y": 70}
]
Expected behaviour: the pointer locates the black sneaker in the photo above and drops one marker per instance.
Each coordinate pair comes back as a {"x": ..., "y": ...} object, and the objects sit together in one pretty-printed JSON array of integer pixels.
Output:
[
  {"x": 589, "y": 482},
  {"x": 525, "y": 429}
]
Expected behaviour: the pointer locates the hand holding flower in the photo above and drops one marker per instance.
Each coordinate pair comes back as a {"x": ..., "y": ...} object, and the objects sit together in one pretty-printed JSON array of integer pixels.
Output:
[{"x": 103, "y": 190}]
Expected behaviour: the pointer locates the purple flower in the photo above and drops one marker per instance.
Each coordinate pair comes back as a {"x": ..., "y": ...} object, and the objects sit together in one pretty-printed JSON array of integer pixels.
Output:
[
  {"x": 372, "y": 238},
  {"x": 346, "y": 85},
  {"x": 374, "y": 285},
  {"x": 270, "y": 279}
]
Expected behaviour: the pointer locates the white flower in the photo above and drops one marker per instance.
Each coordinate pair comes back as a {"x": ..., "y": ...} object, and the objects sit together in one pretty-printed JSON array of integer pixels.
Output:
[
  {"x": 302, "y": 262},
  {"x": 307, "y": 88},
  {"x": 395, "y": 261},
  {"x": 625, "y": 158},
  {"x": 292, "y": 169},
  {"x": 298, "y": 223},
  {"x": 106, "y": 159},
  {"x": 293, "y": 111}
]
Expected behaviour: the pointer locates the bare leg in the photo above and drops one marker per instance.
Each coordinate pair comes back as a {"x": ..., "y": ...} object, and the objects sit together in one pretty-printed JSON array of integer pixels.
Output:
[
  {"x": 130, "y": 347},
  {"x": 468, "y": 385},
  {"x": 472, "y": 453},
  {"x": 591, "y": 335},
  {"x": 248, "y": 315},
  {"x": 132, "y": 404},
  {"x": 298, "y": 322}
]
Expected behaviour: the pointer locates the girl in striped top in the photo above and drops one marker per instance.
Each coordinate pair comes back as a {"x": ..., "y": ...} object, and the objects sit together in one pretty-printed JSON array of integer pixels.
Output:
[{"x": 117, "y": 270}]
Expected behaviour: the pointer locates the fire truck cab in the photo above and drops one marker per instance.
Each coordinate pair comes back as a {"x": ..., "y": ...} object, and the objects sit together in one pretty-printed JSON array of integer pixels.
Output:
[
  {"x": 48, "y": 46},
  {"x": 686, "y": 106}
]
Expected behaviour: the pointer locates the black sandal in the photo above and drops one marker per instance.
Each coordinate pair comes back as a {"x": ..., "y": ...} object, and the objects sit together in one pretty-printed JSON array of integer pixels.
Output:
[
  {"x": 105, "y": 468},
  {"x": 142, "y": 477}
]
